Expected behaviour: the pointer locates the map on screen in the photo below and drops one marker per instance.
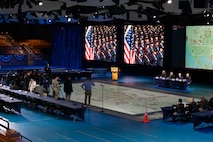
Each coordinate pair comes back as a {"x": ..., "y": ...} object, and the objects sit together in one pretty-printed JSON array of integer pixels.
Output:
[{"x": 199, "y": 47}]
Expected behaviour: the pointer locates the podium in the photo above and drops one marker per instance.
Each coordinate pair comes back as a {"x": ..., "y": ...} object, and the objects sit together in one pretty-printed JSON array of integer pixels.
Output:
[{"x": 114, "y": 71}]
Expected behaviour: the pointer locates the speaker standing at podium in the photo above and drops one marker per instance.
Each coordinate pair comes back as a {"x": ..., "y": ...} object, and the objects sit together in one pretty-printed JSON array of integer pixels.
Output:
[{"x": 87, "y": 86}]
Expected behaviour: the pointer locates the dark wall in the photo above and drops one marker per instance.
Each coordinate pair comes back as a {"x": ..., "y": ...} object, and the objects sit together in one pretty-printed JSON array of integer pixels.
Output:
[{"x": 68, "y": 48}]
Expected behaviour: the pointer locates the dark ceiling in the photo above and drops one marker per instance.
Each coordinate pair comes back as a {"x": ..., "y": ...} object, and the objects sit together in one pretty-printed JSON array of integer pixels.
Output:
[{"x": 73, "y": 11}]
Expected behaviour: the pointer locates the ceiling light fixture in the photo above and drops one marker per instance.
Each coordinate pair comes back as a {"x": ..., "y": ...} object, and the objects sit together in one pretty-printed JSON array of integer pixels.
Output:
[
  {"x": 169, "y": 1},
  {"x": 39, "y": 2}
]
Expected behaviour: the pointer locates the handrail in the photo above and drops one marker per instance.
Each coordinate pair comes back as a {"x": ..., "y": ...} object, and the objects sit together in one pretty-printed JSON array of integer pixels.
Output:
[
  {"x": 8, "y": 125},
  {"x": 25, "y": 138}
]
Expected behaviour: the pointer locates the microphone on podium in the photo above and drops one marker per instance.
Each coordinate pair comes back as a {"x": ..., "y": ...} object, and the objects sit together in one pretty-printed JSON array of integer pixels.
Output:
[{"x": 102, "y": 85}]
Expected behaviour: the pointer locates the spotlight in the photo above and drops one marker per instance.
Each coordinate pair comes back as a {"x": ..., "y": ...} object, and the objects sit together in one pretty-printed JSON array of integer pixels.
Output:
[
  {"x": 39, "y": 2},
  {"x": 169, "y": 1},
  {"x": 69, "y": 19}
]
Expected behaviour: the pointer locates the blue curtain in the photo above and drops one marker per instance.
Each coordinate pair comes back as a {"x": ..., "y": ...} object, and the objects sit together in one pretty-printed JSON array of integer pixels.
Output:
[{"x": 67, "y": 47}]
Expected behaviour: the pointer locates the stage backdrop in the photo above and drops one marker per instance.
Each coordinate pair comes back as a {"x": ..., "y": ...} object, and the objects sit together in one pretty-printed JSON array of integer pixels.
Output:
[{"x": 67, "y": 47}]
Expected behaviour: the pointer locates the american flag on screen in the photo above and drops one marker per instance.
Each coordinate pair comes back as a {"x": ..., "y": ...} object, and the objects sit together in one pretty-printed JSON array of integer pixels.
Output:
[
  {"x": 89, "y": 50},
  {"x": 129, "y": 53}
]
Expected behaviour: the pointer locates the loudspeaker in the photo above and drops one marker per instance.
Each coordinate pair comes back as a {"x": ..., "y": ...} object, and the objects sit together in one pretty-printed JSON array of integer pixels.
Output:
[
  {"x": 185, "y": 7},
  {"x": 200, "y": 3}
]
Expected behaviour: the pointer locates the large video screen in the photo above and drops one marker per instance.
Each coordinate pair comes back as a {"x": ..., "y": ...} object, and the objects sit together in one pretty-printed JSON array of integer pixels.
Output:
[
  {"x": 144, "y": 44},
  {"x": 199, "y": 49},
  {"x": 101, "y": 43}
]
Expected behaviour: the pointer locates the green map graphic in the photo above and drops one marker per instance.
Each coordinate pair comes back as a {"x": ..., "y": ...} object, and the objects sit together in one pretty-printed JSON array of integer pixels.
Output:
[{"x": 199, "y": 47}]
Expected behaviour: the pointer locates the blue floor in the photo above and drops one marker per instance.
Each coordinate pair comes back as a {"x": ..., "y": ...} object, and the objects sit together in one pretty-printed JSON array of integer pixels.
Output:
[{"x": 98, "y": 126}]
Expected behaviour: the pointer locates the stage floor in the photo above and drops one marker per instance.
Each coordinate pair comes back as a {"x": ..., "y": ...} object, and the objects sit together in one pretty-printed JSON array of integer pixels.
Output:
[{"x": 126, "y": 100}]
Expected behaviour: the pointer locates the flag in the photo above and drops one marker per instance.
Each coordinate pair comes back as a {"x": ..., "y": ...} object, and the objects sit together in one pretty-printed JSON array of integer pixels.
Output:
[
  {"x": 129, "y": 53},
  {"x": 89, "y": 50}
]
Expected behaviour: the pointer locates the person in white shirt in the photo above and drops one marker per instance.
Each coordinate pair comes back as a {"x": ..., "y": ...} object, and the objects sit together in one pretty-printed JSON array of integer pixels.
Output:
[{"x": 32, "y": 85}]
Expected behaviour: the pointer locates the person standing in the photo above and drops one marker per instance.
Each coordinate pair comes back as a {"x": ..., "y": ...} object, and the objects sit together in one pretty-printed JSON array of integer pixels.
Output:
[
  {"x": 8, "y": 77},
  {"x": 47, "y": 71},
  {"x": 55, "y": 87},
  {"x": 87, "y": 86},
  {"x": 46, "y": 84},
  {"x": 68, "y": 88}
]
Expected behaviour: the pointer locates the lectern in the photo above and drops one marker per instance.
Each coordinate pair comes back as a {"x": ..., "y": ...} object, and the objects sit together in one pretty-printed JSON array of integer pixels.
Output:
[{"x": 115, "y": 72}]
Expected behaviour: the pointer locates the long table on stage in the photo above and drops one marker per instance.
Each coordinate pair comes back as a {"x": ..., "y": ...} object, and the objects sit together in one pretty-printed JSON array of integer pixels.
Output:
[
  {"x": 75, "y": 74},
  {"x": 200, "y": 118},
  {"x": 10, "y": 104},
  {"x": 171, "y": 83},
  {"x": 48, "y": 104}
]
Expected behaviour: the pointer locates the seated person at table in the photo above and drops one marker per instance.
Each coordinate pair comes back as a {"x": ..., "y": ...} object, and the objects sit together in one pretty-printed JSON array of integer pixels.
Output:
[
  {"x": 180, "y": 77},
  {"x": 171, "y": 75},
  {"x": 190, "y": 108},
  {"x": 211, "y": 103},
  {"x": 188, "y": 78},
  {"x": 179, "y": 110},
  {"x": 203, "y": 104},
  {"x": 163, "y": 74}
]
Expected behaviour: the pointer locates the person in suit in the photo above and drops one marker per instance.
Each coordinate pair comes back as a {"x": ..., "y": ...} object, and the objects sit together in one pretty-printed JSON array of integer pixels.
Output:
[
  {"x": 180, "y": 77},
  {"x": 190, "y": 108},
  {"x": 68, "y": 89},
  {"x": 48, "y": 71},
  {"x": 179, "y": 110},
  {"x": 171, "y": 75},
  {"x": 203, "y": 104},
  {"x": 140, "y": 59},
  {"x": 163, "y": 74},
  {"x": 188, "y": 78},
  {"x": 46, "y": 84}
]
